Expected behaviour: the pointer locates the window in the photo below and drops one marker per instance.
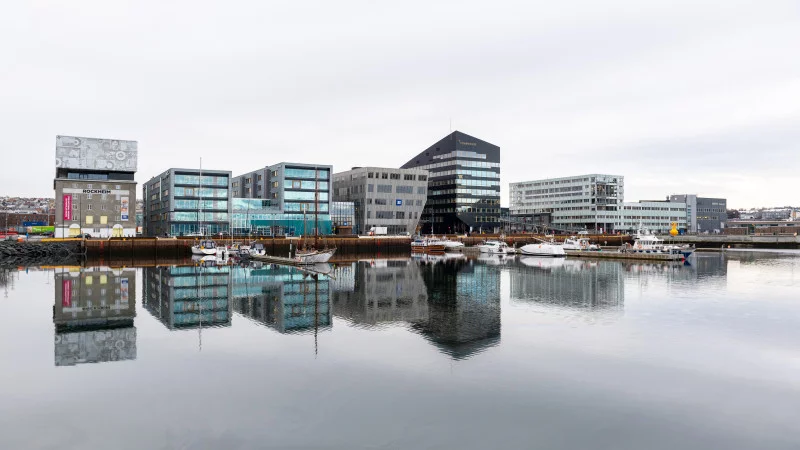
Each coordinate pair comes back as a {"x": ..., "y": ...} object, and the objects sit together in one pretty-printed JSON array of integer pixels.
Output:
[
  {"x": 103, "y": 220},
  {"x": 380, "y": 201},
  {"x": 369, "y": 201},
  {"x": 89, "y": 220},
  {"x": 369, "y": 214},
  {"x": 88, "y": 206},
  {"x": 384, "y": 215},
  {"x": 369, "y": 175},
  {"x": 399, "y": 215},
  {"x": 395, "y": 176},
  {"x": 384, "y": 175},
  {"x": 370, "y": 188},
  {"x": 404, "y": 189},
  {"x": 419, "y": 203},
  {"x": 385, "y": 188},
  {"x": 422, "y": 177},
  {"x": 274, "y": 173},
  {"x": 408, "y": 177},
  {"x": 259, "y": 178},
  {"x": 421, "y": 190},
  {"x": 102, "y": 207}
]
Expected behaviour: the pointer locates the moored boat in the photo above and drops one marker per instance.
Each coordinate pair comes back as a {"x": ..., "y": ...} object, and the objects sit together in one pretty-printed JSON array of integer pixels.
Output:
[
  {"x": 427, "y": 245},
  {"x": 543, "y": 249},
  {"x": 497, "y": 248},
  {"x": 205, "y": 247}
]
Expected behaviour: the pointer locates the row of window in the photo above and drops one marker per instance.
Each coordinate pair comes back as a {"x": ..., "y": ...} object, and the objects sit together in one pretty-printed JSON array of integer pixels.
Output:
[
  {"x": 201, "y": 192},
  {"x": 468, "y": 173},
  {"x": 566, "y": 181},
  {"x": 303, "y": 173},
  {"x": 460, "y": 154},
  {"x": 461, "y": 163},
  {"x": 393, "y": 215},
  {"x": 396, "y": 176},
  {"x": 307, "y": 207},
  {"x": 90, "y": 207},
  {"x": 201, "y": 204},
  {"x": 89, "y": 219},
  {"x": 383, "y": 201},
  {"x": 465, "y": 191},
  {"x": 303, "y": 184},
  {"x": 207, "y": 180},
  {"x": 186, "y": 216},
  {"x": 465, "y": 182},
  {"x": 399, "y": 189},
  {"x": 305, "y": 195}
]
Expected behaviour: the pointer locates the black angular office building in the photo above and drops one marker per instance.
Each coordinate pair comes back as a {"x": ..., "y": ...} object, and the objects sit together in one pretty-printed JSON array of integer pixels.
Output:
[{"x": 463, "y": 185}]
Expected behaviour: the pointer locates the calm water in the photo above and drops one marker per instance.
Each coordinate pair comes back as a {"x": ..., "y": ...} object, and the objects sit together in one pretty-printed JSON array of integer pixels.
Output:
[{"x": 385, "y": 354}]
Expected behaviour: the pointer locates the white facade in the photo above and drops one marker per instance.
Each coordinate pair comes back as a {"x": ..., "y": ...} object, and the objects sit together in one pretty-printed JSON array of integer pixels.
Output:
[
  {"x": 655, "y": 216},
  {"x": 581, "y": 202}
]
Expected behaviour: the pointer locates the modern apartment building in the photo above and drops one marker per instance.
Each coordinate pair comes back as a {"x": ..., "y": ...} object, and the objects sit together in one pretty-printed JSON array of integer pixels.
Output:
[
  {"x": 382, "y": 197},
  {"x": 94, "y": 187},
  {"x": 583, "y": 202},
  {"x": 295, "y": 199},
  {"x": 184, "y": 201},
  {"x": 463, "y": 185},
  {"x": 704, "y": 214}
]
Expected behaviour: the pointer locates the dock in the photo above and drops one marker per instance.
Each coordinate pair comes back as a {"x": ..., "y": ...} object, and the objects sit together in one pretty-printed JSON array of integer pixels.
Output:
[{"x": 631, "y": 255}]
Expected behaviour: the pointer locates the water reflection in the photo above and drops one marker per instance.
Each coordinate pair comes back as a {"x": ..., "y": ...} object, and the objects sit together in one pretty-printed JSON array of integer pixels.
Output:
[
  {"x": 286, "y": 299},
  {"x": 463, "y": 306},
  {"x": 93, "y": 315},
  {"x": 383, "y": 291},
  {"x": 568, "y": 283},
  {"x": 186, "y": 297}
]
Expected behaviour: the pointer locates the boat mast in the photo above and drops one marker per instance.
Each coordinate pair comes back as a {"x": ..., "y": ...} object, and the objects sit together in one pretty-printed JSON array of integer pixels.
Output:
[
  {"x": 200, "y": 199},
  {"x": 316, "y": 208}
]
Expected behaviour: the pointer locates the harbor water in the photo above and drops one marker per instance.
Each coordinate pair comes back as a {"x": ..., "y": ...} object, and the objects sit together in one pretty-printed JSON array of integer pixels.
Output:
[{"x": 428, "y": 352}]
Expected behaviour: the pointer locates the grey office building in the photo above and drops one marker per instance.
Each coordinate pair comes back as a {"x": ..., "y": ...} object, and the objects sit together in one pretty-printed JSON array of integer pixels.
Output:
[
  {"x": 703, "y": 214},
  {"x": 183, "y": 201},
  {"x": 391, "y": 198},
  {"x": 464, "y": 185},
  {"x": 290, "y": 187}
]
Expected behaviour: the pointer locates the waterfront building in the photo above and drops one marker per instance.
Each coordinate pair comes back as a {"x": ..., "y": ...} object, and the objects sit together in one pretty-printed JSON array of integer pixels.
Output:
[
  {"x": 93, "y": 313},
  {"x": 296, "y": 199},
  {"x": 464, "y": 184},
  {"x": 382, "y": 197},
  {"x": 704, "y": 214},
  {"x": 94, "y": 187},
  {"x": 183, "y": 201},
  {"x": 580, "y": 202},
  {"x": 183, "y": 297},
  {"x": 656, "y": 216}
]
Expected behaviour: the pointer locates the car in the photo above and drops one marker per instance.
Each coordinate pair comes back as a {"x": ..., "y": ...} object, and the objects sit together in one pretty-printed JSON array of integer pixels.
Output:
[{"x": 85, "y": 236}]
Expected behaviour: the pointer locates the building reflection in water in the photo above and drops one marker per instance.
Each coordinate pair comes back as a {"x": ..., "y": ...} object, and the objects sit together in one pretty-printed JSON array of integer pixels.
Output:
[
  {"x": 93, "y": 315},
  {"x": 187, "y": 297},
  {"x": 383, "y": 291},
  {"x": 286, "y": 299},
  {"x": 463, "y": 306},
  {"x": 578, "y": 284}
]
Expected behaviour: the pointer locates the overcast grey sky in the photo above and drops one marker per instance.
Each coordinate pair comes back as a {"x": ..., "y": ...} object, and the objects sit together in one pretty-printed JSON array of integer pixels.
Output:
[{"x": 678, "y": 96}]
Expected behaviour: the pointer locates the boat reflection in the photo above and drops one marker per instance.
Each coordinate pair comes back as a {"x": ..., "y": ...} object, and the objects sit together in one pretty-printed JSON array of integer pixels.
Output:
[
  {"x": 93, "y": 315},
  {"x": 576, "y": 284}
]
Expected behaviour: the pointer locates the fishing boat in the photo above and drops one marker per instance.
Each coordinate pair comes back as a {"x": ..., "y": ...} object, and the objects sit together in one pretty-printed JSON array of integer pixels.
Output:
[
  {"x": 427, "y": 245},
  {"x": 496, "y": 248},
  {"x": 579, "y": 244},
  {"x": 646, "y": 242}
]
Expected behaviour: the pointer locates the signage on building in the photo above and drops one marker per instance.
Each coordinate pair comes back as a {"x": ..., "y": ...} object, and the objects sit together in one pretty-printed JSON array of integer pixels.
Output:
[
  {"x": 398, "y": 202},
  {"x": 96, "y": 191},
  {"x": 37, "y": 223},
  {"x": 467, "y": 143},
  {"x": 66, "y": 293},
  {"x": 74, "y": 152},
  {"x": 123, "y": 209},
  {"x": 67, "y": 203}
]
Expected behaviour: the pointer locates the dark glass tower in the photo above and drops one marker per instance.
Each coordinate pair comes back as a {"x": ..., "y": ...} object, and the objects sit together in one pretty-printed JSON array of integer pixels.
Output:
[{"x": 463, "y": 185}]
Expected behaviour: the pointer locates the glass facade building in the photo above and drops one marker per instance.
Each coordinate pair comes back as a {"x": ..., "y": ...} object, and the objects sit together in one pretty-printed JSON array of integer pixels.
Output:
[
  {"x": 463, "y": 187},
  {"x": 183, "y": 201},
  {"x": 257, "y": 217}
]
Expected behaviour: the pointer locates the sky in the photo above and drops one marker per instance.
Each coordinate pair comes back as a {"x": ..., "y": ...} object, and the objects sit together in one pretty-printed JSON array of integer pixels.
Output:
[{"x": 677, "y": 96}]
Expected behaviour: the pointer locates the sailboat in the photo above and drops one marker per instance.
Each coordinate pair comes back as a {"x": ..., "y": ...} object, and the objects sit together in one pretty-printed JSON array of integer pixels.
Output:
[
  {"x": 308, "y": 256},
  {"x": 206, "y": 246}
]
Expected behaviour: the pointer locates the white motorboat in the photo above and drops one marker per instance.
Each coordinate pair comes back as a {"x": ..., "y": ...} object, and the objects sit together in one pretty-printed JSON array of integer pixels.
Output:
[
  {"x": 257, "y": 249},
  {"x": 580, "y": 244},
  {"x": 543, "y": 249},
  {"x": 206, "y": 247},
  {"x": 497, "y": 248},
  {"x": 452, "y": 245}
]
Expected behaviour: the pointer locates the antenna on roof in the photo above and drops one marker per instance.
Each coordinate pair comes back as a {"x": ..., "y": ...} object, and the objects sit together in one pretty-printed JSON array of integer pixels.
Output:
[{"x": 451, "y": 124}]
